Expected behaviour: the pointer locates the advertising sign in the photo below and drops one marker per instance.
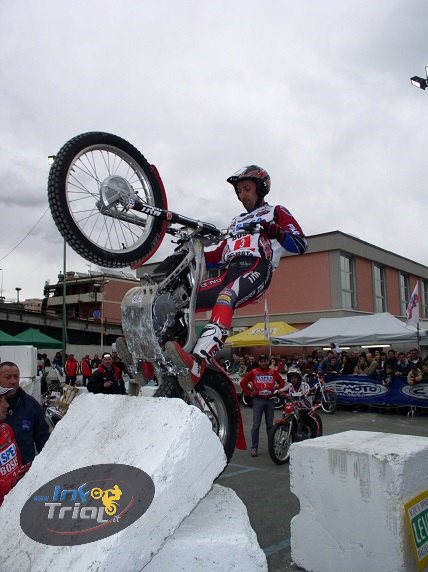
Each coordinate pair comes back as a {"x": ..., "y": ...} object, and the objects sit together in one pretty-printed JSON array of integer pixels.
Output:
[{"x": 417, "y": 520}]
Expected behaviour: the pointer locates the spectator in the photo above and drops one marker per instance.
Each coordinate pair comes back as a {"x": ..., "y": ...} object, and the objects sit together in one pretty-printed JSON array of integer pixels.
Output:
[
  {"x": 107, "y": 378},
  {"x": 46, "y": 360},
  {"x": 402, "y": 367},
  {"x": 25, "y": 414},
  {"x": 95, "y": 362},
  {"x": 86, "y": 369},
  {"x": 373, "y": 364},
  {"x": 57, "y": 363},
  {"x": 415, "y": 375},
  {"x": 415, "y": 359},
  {"x": 11, "y": 469},
  {"x": 71, "y": 369},
  {"x": 236, "y": 361},
  {"x": 273, "y": 363},
  {"x": 260, "y": 383},
  {"x": 391, "y": 359},
  {"x": 348, "y": 364},
  {"x": 280, "y": 362},
  {"x": 117, "y": 361},
  {"x": 333, "y": 367},
  {"x": 251, "y": 363},
  {"x": 362, "y": 366},
  {"x": 242, "y": 367},
  {"x": 40, "y": 364},
  {"x": 388, "y": 376}
]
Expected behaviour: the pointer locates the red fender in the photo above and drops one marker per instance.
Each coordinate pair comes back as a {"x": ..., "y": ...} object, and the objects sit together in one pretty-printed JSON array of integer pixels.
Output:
[{"x": 241, "y": 442}]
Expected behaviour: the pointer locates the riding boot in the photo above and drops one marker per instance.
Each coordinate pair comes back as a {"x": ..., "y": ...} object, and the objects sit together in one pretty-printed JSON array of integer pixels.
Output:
[{"x": 192, "y": 366}]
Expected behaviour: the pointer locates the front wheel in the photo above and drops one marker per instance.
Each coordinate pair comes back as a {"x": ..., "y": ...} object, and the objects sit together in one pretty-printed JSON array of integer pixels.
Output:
[
  {"x": 280, "y": 441},
  {"x": 93, "y": 182},
  {"x": 329, "y": 402}
]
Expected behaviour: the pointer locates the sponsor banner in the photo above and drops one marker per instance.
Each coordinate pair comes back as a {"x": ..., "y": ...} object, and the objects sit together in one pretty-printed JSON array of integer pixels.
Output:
[
  {"x": 370, "y": 391},
  {"x": 416, "y": 511}
]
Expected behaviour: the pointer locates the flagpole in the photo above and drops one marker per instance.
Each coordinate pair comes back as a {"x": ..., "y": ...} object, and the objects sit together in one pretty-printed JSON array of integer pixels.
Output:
[{"x": 418, "y": 337}]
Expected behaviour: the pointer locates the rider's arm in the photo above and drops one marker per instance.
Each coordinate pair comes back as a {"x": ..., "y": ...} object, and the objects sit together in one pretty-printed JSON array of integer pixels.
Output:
[
  {"x": 294, "y": 240},
  {"x": 214, "y": 258}
]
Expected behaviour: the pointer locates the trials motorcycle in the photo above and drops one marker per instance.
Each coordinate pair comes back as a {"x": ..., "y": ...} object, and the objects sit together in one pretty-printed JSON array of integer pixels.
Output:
[
  {"x": 110, "y": 205},
  {"x": 291, "y": 427}
]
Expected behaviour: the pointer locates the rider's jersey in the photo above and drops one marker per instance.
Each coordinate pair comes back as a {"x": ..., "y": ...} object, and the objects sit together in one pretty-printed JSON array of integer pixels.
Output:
[
  {"x": 10, "y": 460},
  {"x": 257, "y": 244},
  {"x": 304, "y": 389}
]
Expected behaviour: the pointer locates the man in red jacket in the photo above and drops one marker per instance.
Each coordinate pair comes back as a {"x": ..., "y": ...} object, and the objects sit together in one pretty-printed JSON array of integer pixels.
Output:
[
  {"x": 71, "y": 369},
  {"x": 11, "y": 469},
  {"x": 260, "y": 384}
]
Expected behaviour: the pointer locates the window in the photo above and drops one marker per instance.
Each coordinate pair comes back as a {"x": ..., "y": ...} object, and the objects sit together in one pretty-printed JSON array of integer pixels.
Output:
[
  {"x": 379, "y": 289},
  {"x": 404, "y": 292},
  {"x": 424, "y": 299},
  {"x": 347, "y": 281}
]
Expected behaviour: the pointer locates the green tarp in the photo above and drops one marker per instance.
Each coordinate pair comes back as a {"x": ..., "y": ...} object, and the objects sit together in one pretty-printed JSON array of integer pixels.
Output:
[
  {"x": 36, "y": 338},
  {"x": 7, "y": 340}
]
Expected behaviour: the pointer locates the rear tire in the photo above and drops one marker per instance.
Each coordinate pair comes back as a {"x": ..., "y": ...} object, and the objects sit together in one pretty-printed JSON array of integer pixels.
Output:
[
  {"x": 218, "y": 404},
  {"x": 279, "y": 443}
]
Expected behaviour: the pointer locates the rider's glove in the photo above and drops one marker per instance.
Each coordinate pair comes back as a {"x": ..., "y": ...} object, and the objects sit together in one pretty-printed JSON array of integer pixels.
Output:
[{"x": 272, "y": 230}]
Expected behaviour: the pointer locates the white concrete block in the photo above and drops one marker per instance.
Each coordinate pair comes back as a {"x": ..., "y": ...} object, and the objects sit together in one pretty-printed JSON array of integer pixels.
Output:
[
  {"x": 216, "y": 536},
  {"x": 168, "y": 439},
  {"x": 352, "y": 488}
]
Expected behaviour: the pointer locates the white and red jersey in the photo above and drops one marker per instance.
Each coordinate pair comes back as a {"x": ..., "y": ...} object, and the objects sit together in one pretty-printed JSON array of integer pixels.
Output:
[
  {"x": 261, "y": 382},
  {"x": 257, "y": 244},
  {"x": 10, "y": 460}
]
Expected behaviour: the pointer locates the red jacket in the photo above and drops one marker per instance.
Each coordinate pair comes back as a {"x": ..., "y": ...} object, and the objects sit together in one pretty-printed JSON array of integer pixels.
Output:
[
  {"x": 10, "y": 460},
  {"x": 261, "y": 382},
  {"x": 71, "y": 367},
  {"x": 85, "y": 367}
]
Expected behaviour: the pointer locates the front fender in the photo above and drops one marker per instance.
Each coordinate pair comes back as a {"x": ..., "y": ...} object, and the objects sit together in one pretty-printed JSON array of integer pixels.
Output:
[{"x": 241, "y": 442}]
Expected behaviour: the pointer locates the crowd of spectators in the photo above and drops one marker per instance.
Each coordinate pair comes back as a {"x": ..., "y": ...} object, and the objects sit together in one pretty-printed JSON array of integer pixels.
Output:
[{"x": 377, "y": 364}]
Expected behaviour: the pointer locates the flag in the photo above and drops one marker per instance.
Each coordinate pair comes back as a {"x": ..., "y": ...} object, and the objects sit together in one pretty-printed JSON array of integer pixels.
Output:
[
  {"x": 266, "y": 332},
  {"x": 412, "y": 311}
]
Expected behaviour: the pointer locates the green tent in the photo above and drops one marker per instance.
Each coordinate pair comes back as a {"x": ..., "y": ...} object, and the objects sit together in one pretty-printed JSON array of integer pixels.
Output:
[
  {"x": 8, "y": 340},
  {"x": 36, "y": 338}
]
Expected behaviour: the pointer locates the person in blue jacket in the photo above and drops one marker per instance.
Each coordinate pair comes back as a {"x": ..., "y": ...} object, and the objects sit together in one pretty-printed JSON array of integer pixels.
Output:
[{"x": 25, "y": 415}]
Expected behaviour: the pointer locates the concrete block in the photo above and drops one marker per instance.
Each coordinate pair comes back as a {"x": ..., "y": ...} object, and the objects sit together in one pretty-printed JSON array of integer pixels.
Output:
[
  {"x": 352, "y": 488},
  {"x": 168, "y": 439},
  {"x": 216, "y": 536}
]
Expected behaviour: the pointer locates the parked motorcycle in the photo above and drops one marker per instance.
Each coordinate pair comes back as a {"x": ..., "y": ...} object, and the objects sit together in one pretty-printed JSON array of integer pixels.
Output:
[
  {"x": 324, "y": 395},
  {"x": 53, "y": 414},
  {"x": 292, "y": 427},
  {"x": 110, "y": 205}
]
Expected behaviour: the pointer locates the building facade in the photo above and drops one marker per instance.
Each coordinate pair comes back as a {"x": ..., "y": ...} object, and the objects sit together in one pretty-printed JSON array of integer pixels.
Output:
[{"x": 340, "y": 275}]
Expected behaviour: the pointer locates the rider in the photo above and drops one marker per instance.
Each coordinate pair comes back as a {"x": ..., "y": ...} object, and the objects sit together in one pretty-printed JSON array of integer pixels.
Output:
[
  {"x": 249, "y": 261},
  {"x": 295, "y": 386}
]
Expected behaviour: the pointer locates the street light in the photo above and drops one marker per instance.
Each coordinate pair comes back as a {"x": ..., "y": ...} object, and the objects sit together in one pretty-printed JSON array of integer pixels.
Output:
[{"x": 420, "y": 81}]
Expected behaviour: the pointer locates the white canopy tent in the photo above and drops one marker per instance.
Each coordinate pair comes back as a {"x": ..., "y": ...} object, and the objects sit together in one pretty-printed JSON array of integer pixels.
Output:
[{"x": 371, "y": 329}]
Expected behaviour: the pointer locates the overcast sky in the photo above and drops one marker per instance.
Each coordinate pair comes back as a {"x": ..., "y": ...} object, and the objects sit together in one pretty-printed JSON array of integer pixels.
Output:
[{"x": 315, "y": 91}]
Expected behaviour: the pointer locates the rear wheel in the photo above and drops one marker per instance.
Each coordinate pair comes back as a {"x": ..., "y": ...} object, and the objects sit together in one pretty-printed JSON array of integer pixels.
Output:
[
  {"x": 216, "y": 400},
  {"x": 280, "y": 441},
  {"x": 329, "y": 402},
  {"x": 92, "y": 183}
]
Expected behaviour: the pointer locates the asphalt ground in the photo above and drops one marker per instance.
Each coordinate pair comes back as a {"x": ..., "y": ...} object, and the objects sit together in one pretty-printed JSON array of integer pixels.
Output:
[{"x": 264, "y": 487}]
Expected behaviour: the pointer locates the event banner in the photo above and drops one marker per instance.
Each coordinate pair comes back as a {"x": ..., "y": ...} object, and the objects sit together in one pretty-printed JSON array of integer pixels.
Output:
[{"x": 370, "y": 391}]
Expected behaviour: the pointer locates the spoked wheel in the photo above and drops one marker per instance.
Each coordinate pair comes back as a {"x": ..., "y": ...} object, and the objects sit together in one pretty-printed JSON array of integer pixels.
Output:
[
  {"x": 216, "y": 400},
  {"x": 92, "y": 183},
  {"x": 329, "y": 402},
  {"x": 280, "y": 441}
]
